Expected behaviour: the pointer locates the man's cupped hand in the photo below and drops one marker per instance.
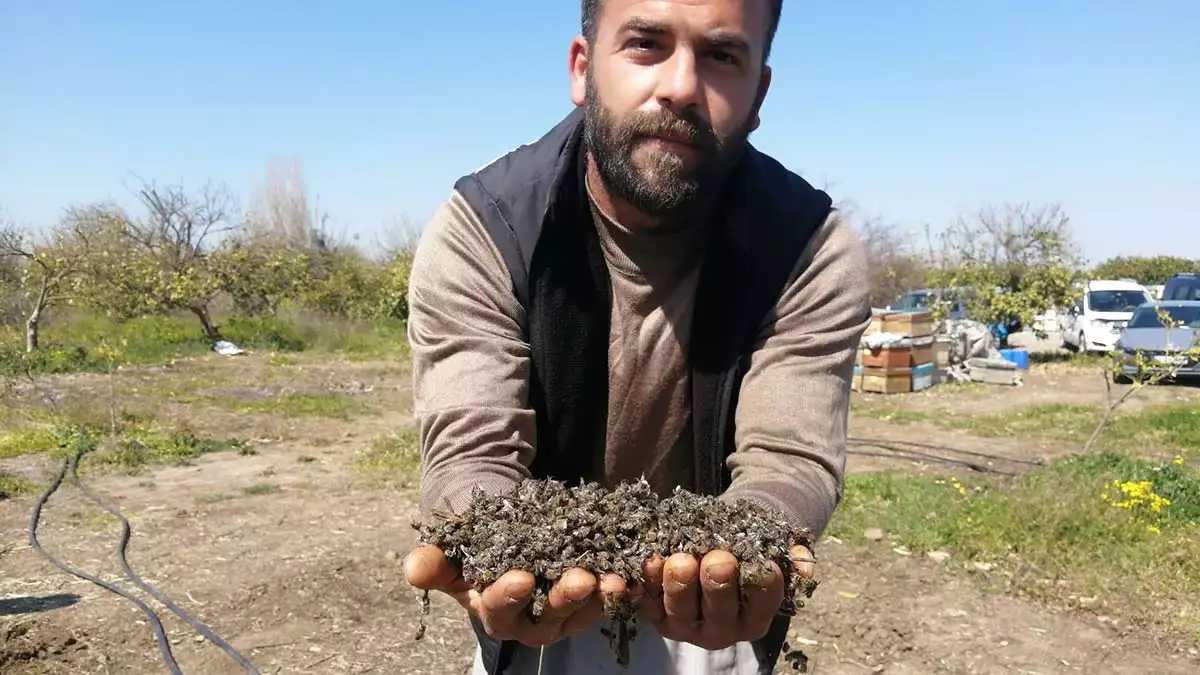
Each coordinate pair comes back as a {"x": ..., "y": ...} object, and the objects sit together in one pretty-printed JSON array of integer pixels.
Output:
[
  {"x": 574, "y": 603},
  {"x": 698, "y": 600},
  {"x": 703, "y": 601}
]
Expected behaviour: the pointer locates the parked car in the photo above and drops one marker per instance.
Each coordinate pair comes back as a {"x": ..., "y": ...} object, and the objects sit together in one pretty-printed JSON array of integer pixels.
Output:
[
  {"x": 1182, "y": 287},
  {"x": 922, "y": 299},
  {"x": 1095, "y": 322},
  {"x": 1147, "y": 335}
]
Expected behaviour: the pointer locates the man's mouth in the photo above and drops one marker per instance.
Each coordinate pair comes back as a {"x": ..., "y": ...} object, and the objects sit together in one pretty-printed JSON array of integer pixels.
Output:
[
  {"x": 672, "y": 142},
  {"x": 682, "y": 139}
]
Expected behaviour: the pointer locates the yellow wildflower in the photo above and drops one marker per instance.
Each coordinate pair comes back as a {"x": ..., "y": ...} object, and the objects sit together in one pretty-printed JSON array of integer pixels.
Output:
[
  {"x": 1178, "y": 461},
  {"x": 1151, "y": 528},
  {"x": 1137, "y": 494}
]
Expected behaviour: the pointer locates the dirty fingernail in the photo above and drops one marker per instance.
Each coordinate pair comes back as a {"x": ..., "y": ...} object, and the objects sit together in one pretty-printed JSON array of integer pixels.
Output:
[{"x": 720, "y": 573}]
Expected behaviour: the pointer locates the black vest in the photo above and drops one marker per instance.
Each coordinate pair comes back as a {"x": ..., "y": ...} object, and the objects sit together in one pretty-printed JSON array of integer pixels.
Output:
[{"x": 534, "y": 205}]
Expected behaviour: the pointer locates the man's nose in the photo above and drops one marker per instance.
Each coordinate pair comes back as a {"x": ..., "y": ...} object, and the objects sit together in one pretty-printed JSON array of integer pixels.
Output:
[{"x": 679, "y": 82}]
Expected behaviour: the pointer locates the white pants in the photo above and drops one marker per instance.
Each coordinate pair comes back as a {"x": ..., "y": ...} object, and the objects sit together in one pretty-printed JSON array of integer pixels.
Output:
[{"x": 649, "y": 654}]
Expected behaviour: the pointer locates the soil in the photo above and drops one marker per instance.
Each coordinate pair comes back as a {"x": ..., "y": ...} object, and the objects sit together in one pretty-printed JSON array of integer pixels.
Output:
[{"x": 306, "y": 577}]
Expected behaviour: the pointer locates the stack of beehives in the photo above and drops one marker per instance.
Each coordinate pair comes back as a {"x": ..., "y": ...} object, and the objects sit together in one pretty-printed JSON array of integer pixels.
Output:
[{"x": 897, "y": 353}]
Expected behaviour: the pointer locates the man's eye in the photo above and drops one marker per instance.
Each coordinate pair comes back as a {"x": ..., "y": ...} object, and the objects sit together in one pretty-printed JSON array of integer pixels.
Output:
[
  {"x": 642, "y": 44},
  {"x": 724, "y": 57}
]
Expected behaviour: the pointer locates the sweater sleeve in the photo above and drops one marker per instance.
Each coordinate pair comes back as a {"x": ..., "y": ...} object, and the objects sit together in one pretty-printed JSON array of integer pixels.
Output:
[
  {"x": 470, "y": 360},
  {"x": 794, "y": 401}
]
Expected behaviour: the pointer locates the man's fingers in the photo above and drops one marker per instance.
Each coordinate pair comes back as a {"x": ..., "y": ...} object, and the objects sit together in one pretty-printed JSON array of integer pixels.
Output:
[
  {"x": 585, "y": 618},
  {"x": 804, "y": 562},
  {"x": 652, "y": 573},
  {"x": 614, "y": 591},
  {"x": 719, "y": 602},
  {"x": 427, "y": 568},
  {"x": 568, "y": 594},
  {"x": 502, "y": 603},
  {"x": 762, "y": 603},
  {"x": 681, "y": 593}
]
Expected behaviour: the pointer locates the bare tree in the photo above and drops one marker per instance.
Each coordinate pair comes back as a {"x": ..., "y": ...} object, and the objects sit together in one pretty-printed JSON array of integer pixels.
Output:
[
  {"x": 180, "y": 232},
  {"x": 1020, "y": 260},
  {"x": 167, "y": 257},
  {"x": 280, "y": 213},
  {"x": 893, "y": 264},
  {"x": 1012, "y": 238},
  {"x": 399, "y": 235},
  {"x": 48, "y": 266}
]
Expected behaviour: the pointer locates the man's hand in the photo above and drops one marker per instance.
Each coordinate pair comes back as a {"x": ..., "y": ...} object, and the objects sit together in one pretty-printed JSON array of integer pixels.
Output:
[
  {"x": 699, "y": 600},
  {"x": 573, "y": 605}
]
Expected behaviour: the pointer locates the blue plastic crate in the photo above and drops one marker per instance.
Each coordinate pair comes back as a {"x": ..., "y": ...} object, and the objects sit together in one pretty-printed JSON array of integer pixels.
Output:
[{"x": 1018, "y": 356}]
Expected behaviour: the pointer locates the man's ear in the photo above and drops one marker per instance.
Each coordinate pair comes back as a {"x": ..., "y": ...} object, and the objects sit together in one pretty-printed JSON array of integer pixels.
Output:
[
  {"x": 764, "y": 83},
  {"x": 577, "y": 66}
]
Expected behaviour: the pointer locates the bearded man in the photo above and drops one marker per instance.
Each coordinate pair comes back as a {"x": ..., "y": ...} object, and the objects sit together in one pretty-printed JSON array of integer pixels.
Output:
[{"x": 639, "y": 293}]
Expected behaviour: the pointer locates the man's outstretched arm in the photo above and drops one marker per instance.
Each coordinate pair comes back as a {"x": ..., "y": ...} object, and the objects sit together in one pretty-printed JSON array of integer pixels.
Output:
[
  {"x": 791, "y": 435},
  {"x": 471, "y": 370},
  {"x": 470, "y": 360},
  {"x": 794, "y": 401}
]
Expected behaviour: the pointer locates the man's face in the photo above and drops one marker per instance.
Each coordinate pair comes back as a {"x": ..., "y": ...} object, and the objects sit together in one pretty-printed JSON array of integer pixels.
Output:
[{"x": 671, "y": 91}]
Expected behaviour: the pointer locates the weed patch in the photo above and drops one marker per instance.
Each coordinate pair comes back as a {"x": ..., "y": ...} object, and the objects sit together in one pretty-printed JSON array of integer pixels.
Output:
[
  {"x": 81, "y": 342},
  {"x": 1169, "y": 427},
  {"x": 13, "y": 486},
  {"x": 1101, "y": 526},
  {"x": 128, "y": 443},
  {"x": 27, "y": 441},
  {"x": 394, "y": 458},
  {"x": 300, "y": 404},
  {"x": 137, "y": 448},
  {"x": 894, "y": 415},
  {"x": 262, "y": 489}
]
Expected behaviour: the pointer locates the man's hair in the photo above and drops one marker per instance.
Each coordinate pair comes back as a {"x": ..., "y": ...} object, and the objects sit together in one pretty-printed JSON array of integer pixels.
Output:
[{"x": 592, "y": 7}]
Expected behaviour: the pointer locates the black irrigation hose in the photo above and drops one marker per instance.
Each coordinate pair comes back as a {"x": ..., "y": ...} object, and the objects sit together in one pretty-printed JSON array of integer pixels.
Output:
[
  {"x": 929, "y": 459},
  {"x": 915, "y": 456},
  {"x": 133, "y": 576},
  {"x": 126, "y": 531},
  {"x": 163, "y": 645},
  {"x": 927, "y": 446}
]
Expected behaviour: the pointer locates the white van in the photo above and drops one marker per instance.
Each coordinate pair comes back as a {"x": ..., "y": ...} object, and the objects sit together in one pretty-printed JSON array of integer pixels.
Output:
[{"x": 1094, "y": 323}]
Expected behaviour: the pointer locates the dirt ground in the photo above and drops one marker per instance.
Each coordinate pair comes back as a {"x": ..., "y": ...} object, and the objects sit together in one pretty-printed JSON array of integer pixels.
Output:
[{"x": 297, "y": 561}]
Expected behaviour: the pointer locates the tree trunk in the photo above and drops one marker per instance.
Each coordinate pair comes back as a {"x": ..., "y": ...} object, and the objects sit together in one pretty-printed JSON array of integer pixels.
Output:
[
  {"x": 33, "y": 323},
  {"x": 210, "y": 331},
  {"x": 31, "y": 330}
]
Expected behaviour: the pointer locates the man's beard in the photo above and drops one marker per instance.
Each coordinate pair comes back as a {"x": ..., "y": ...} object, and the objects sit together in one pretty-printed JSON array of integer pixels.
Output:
[{"x": 668, "y": 186}]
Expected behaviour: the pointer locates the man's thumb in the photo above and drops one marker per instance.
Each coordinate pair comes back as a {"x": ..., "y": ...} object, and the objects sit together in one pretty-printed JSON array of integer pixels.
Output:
[{"x": 427, "y": 568}]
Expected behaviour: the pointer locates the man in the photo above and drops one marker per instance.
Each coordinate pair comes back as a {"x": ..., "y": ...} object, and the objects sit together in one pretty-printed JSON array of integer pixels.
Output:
[{"x": 641, "y": 244}]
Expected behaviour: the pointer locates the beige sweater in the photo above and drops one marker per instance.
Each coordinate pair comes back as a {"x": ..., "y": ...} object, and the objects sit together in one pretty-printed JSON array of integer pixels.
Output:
[{"x": 471, "y": 367}]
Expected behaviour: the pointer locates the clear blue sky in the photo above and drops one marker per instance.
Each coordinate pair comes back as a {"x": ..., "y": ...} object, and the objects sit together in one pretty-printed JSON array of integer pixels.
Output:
[{"x": 914, "y": 110}]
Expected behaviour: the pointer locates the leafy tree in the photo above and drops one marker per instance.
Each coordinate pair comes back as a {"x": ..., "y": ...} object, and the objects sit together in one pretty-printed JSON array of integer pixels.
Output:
[
  {"x": 345, "y": 284},
  {"x": 262, "y": 275},
  {"x": 1150, "y": 271},
  {"x": 48, "y": 267},
  {"x": 167, "y": 259},
  {"x": 394, "y": 300},
  {"x": 1018, "y": 261}
]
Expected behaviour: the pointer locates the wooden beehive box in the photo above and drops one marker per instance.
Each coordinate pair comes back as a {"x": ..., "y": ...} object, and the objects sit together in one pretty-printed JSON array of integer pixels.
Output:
[
  {"x": 876, "y": 325},
  {"x": 908, "y": 324},
  {"x": 887, "y": 380},
  {"x": 892, "y": 356},
  {"x": 922, "y": 351},
  {"x": 941, "y": 351}
]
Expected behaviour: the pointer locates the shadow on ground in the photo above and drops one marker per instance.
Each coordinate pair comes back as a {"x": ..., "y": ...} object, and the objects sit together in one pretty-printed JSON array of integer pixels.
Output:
[{"x": 30, "y": 604}]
